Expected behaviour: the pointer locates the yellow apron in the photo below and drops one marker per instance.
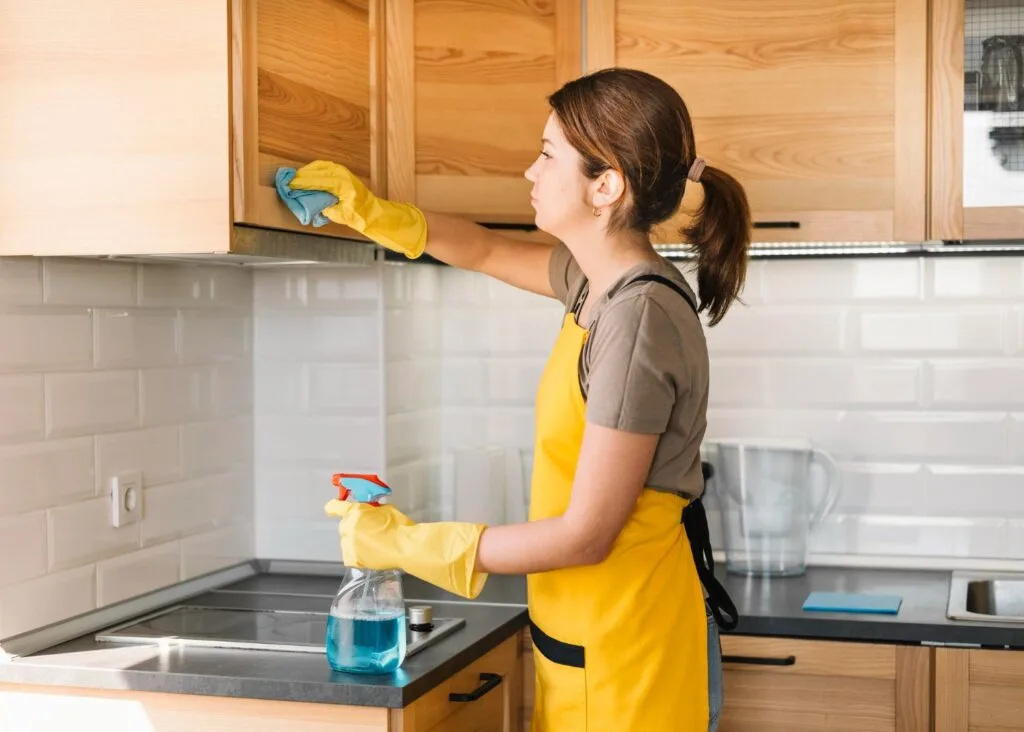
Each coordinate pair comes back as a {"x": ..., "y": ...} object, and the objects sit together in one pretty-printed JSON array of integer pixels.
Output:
[{"x": 621, "y": 645}]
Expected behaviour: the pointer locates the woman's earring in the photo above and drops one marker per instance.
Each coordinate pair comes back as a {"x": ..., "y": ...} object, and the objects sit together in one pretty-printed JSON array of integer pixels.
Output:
[{"x": 597, "y": 211}]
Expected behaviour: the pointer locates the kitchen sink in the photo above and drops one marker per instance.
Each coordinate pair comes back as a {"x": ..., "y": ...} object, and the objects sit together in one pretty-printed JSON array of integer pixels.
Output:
[{"x": 993, "y": 597}]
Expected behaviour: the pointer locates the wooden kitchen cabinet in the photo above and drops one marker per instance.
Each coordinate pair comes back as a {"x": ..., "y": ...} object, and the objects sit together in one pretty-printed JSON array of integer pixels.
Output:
[
  {"x": 496, "y": 710},
  {"x": 150, "y": 127},
  {"x": 976, "y": 120},
  {"x": 467, "y": 87},
  {"x": 978, "y": 691},
  {"x": 790, "y": 685},
  {"x": 307, "y": 84},
  {"x": 817, "y": 106}
]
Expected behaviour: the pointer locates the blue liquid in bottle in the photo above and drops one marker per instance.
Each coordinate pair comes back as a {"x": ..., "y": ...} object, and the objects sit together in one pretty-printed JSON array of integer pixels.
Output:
[{"x": 366, "y": 644}]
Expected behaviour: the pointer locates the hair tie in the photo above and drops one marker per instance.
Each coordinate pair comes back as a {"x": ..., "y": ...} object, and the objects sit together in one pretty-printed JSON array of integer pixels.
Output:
[{"x": 696, "y": 168}]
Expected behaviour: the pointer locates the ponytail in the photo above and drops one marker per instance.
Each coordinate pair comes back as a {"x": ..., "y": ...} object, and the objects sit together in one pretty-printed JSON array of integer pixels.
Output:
[{"x": 719, "y": 234}]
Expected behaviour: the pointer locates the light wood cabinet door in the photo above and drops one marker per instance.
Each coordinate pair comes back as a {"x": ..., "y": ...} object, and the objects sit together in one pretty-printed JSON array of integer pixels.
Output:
[
  {"x": 817, "y": 106},
  {"x": 977, "y": 120},
  {"x": 468, "y": 82},
  {"x": 788, "y": 685},
  {"x": 307, "y": 84},
  {"x": 485, "y": 696},
  {"x": 978, "y": 691},
  {"x": 115, "y": 127}
]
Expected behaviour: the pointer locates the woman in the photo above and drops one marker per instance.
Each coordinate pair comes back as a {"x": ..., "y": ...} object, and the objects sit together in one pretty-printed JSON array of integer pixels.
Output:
[{"x": 615, "y": 577}]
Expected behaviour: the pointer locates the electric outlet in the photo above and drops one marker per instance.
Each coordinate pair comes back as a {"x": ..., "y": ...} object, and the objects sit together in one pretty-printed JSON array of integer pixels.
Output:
[{"x": 126, "y": 498}]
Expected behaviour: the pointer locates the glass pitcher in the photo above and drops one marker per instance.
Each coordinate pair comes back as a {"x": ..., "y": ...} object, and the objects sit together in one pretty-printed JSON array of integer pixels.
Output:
[
  {"x": 771, "y": 500},
  {"x": 366, "y": 630}
]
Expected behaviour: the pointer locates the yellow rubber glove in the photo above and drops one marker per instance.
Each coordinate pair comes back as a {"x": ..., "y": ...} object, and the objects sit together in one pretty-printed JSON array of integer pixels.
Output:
[
  {"x": 382, "y": 537},
  {"x": 400, "y": 227}
]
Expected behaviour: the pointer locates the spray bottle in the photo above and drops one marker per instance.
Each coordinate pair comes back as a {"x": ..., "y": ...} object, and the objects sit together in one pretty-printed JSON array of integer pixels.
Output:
[{"x": 366, "y": 630}]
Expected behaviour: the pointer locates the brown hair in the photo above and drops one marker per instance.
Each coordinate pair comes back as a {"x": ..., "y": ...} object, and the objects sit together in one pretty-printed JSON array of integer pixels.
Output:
[{"x": 635, "y": 123}]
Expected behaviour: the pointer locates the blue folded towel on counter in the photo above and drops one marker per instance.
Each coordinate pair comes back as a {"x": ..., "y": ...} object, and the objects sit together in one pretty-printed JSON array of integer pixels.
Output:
[
  {"x": 306, "y": 205},
  {"x": 852, "y": 602}
]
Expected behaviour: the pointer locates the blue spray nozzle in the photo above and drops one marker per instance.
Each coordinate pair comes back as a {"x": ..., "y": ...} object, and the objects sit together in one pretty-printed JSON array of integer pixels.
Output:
[{"x": 360, "y": 487}]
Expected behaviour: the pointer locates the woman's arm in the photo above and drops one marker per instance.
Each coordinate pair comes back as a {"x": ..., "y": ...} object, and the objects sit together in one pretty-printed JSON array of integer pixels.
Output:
[
  {"x": 461, "y": 243},
  {"x": 610, "y": 475}
]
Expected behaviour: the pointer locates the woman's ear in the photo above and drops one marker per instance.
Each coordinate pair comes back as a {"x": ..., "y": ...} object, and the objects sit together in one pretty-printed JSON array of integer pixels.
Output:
[{"x": 607, "y": 189}]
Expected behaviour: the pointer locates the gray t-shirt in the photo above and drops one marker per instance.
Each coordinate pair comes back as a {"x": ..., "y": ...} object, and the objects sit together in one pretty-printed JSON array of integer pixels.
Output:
[{"x": 644, "y": 367}]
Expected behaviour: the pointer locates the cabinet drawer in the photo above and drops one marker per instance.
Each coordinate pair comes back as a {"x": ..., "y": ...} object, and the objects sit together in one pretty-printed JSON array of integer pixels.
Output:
[
  {"x": 785, "y": 684},
  {"x": 492, "y": 694}
]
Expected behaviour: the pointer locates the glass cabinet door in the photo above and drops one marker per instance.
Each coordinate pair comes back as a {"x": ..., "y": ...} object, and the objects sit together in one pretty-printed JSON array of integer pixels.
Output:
[{"x": 993, "y": 119}]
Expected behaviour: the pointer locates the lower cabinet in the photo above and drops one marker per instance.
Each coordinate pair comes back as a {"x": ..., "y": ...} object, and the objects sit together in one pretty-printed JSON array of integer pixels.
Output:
[
  {"x": 979, "y": 691},
  {"x": 776, "y": 684},
  {"x": 485, "y": 696},
  {"x": 795, "y": 685}
]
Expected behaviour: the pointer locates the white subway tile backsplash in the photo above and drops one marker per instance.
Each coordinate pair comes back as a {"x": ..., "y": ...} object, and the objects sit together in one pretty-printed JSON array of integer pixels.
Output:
[
  {"x": 319, "y": 337},
  {"x": 133, "y": 338},
  {"x": 414, "y": 386},
  {"x": 216, "y": 549},
  {"x": 280, "y": 387},
  {"x": 21, "y": 280},
  {"x": 413, "y": 333},
  {"x": 23, "y": 547},
  {"x": 174, "y": 510},
  {"x": 23, "y": 414},
  {"x": 88, "y": 402},
  {"x": 779, "y": 330},
  {"x": 75, "y": 401},
  {"x": 137, "y": 573},
  {"x": 41, "y": 474},
  {"x": 911, "y": 536},
  {"x": 340, "y": 388},
  {"x": 330, "y": 287},
  {"x": 215, "y": 446},
  {"x": 174, "y": 394},
  {"x": 404, "y": 285},
  {"x": 937, "y": 436},
  {"x": 155, "y": 452},
  {"x": 209, "y": 336},
  {"x": 977, "y": 279},
  {"x": 319, "y": 440},
  {"x": 837, "y": 382},
  {"x": 805, "y": 281},
  {"x": 48, "y": 599},
  {"x": 38, "y": 339},
  {"x": 81, "y": 533},
  {"x": 963, "y": 331},
  {"x": 738, "y": 382},
  {"x": 69, "y": 281},
  {"x": 980, "y": 383}
]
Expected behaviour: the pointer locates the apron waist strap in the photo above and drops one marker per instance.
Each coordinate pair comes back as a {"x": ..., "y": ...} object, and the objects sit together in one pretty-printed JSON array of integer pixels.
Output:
[{"x": 695, "y": 521}]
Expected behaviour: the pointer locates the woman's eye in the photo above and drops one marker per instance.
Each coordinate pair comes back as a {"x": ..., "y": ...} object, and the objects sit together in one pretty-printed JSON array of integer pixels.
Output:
[{"x": 544, "y": 154}]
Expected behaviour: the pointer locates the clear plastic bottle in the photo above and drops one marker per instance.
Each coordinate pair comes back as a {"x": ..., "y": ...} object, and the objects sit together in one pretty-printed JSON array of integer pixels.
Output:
[{"x": 366, "y": 627}]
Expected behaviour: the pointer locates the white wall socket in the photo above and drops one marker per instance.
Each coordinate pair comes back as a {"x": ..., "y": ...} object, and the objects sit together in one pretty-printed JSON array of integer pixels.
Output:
[{"x": 126, "y": 498}]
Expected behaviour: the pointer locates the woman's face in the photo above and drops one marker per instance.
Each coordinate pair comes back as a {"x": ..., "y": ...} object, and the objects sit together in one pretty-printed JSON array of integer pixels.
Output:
[{"x": 559, "y": 194}]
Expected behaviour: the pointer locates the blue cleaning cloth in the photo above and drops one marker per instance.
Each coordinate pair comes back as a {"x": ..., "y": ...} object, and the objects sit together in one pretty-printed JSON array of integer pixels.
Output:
[
  {"x": 850, "y": 602},
  {"x": 306, "y": 205}
]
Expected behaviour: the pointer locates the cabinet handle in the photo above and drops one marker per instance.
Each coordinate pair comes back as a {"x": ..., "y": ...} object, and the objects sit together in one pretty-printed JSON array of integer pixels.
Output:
[
  {"x": 489, "y": 681},
  {"x": 760, "y": 660},
  {"x": 776, "y": 224}
]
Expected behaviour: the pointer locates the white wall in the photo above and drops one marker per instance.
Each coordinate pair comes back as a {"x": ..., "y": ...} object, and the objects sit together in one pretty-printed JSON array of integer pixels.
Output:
[
  {"x": 909, "y": 371},
  {"x": 107, "y": 367}
]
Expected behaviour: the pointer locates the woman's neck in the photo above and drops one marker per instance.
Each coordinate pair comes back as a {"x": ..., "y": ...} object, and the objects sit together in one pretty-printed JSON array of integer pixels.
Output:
[{"x": 603, "y": 258}]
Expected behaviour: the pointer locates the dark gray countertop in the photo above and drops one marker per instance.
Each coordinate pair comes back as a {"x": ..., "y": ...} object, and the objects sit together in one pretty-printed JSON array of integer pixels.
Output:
[{"x": 767, "y": 607}]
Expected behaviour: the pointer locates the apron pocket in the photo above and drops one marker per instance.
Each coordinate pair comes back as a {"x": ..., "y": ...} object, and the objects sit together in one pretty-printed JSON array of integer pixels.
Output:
[{"x": 560, "y": 701}]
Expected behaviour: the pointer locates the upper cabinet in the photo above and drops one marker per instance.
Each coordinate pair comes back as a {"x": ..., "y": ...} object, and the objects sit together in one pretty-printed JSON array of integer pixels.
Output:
[
  {"x": 977, "y": 119},
  {"x": 150, "y": 127},
  {"x": 307, "y": 83},
  {"x": 818, "y": 107},
  {"x": 115, "y": 127},
  {"x": 468, "y": 82}
]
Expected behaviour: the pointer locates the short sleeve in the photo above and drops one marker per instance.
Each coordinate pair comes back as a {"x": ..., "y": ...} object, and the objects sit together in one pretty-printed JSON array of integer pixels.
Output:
[
  {"x": 634, "y": 360},
  {"x": 564, "y": 273}
]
